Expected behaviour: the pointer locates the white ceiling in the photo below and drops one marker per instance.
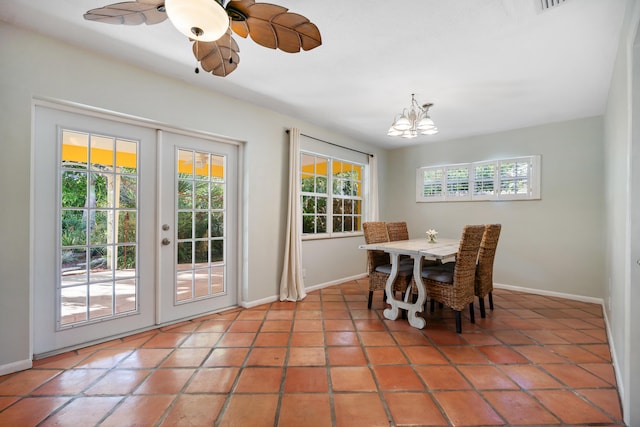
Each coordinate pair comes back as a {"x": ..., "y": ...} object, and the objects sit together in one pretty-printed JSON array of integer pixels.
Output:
[{"x": 487, "y": 65}]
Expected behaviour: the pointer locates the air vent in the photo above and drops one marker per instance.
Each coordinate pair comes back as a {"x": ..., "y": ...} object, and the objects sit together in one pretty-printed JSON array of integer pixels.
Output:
[{"x": 544, "y": 5}]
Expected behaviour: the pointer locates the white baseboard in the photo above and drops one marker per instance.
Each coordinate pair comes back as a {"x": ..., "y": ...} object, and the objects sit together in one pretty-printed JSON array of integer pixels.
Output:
[
  {"x": 251, "y": 304},
  {"x": 12, "y": 367},
  {"x": 550, "y": 293}
]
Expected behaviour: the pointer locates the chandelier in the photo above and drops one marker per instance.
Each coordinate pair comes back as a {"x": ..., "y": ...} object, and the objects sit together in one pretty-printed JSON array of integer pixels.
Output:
[{"x": 413, "y": 122}]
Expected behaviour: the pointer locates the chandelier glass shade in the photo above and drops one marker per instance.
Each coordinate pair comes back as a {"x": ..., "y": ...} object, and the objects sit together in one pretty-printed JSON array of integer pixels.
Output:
[
  {"x": 413, "y": 121},
  {"x": 202, "y": 20}
]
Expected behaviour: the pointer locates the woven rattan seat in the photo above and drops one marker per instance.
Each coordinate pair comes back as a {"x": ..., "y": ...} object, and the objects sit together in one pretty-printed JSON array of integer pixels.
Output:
[
  {"x": 456, "y": 289},
  {"x": 379, "y": 264}
]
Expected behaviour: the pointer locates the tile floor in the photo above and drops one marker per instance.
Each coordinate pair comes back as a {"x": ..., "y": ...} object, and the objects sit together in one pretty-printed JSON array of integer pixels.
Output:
[{"x": 328, "y": 361}]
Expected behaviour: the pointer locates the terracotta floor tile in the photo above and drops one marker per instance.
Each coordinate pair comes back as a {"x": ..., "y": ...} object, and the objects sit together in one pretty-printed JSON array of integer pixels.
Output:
[
  {"x": 139, "y": 410},
  {"x": 262, "y": 413},
  {"x": 376, "y": 339},
  {"x": 359, "y": 410},
  {"x": 83, "y": 411},
  {"x": 309, "y": 410},
  {"x": 214, "y": 326},
  {"x": 570, "y": 408},
  {"x": 457, "y": 406},
  {"x": 606, "y": 399},
  {"x": 166, "y": 340},
  {"x": 259, "y": 380},
  {"x": 69, "y": 382},
  {"x": 252, "y": 315},
  {"x": 227, "y": 357},
  {"x": 31, "y": 410},
  {"x": 307, "y": 339},
  {"x": 530, "y": 377},
  {"x": 346, "y": 356},
  {"x": 272, "y": 339},
  {"x": 485, "y": 377},
  {"x": 574, "y": 376},
  {"x": 306, "y": 325},
  {"x": 308, "y": 314},
  {"x": 339, "y": 325},
  {"x": 195, "y": 410},
  {"x": 145, "y": 358},
  {"x": 61, "y": 361},
  {"x": 213, "y": 380},
  {"x": 280, "y": 315},
  {"x": 539, "y": 354},
  {"x": 277, "y": 326},
  {"x": 341, "y": 338},
  {"x": 5, "y": 402},
  {"x": 237, "y": 339},
  {"x": 307, "y": 356},
  {"x": 480, "y": 338},
  {"x": 602, "y": 370},
  {"x": 336, "y": 314},
  {"x": 443, "y": 338},
  {"x": 464, "y": 354},
  {"x": 364, "y": 314},
  {"x": 165, "y": 381},
  {"x": 352, "y": 378},
  {"x": 369, "y": 325},
  {"x": 512, "y": 337},
  {"x": 410, "y": 408},
  {"x": 267, "y": 356},
  {"x": 545, "y": 337},
  {"x": 393, "y": 377},
  {"x": 245, "y": 326},
  {"x": 517, "y": 408},
  {"x": 118, "y": 381},
  {"x": 575, "y": 354},
  {"x": 442, "y": 378},
  {"x": 385, "y": 355},
  {"x": 499, "y": 354},
  {"x": 306, "y": 380},
  {"x": 601, "y": 350},
  {"x": 186, "y": 357},
  {"x": 425, "y": 356},
  {"x": 410, "y": 337}
]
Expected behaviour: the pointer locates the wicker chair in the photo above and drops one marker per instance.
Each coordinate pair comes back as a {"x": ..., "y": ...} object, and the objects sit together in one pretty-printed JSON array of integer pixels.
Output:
[
  {"x": 378, "y": 262},
  {"x": 455, "y": 288},
  {"x": 484, "y": 270},
  {"x": 399, "y": 231}
]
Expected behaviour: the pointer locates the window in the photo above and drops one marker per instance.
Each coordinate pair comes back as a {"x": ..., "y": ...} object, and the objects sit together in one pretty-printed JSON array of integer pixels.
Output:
[
  {"x": 504, "y": 179},
  {"x": 331, "y": 191}
]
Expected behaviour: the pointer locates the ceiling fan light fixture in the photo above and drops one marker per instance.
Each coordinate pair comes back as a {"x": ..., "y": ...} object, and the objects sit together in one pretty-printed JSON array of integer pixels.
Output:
[{"x": 202, "y": 20}]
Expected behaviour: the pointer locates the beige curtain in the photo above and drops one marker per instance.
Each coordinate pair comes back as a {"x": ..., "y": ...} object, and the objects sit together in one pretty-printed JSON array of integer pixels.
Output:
[
  {"x": 292, "y": 283},
  {"x": 373, "y": 210}
]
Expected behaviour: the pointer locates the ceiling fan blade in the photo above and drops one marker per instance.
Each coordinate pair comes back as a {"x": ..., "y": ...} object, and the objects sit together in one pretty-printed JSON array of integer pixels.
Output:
[
  {"x": 274, "y": 27},
  {"x": 219, "y": 57},
  {"x": 129, "y": 13}
]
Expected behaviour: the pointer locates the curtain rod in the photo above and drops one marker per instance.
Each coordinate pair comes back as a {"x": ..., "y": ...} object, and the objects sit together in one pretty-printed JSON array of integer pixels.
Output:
[{"x": 337, "y": 145}]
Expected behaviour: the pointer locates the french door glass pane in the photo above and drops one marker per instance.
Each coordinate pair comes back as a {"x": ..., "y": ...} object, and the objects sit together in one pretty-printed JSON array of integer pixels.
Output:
[
  {"x": 200, "y": 221},
  {"x": 98, "y": 277}
]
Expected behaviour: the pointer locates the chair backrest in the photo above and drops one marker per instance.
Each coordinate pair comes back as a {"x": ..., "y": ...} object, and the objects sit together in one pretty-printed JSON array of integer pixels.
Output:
[
  {"x": 375, "y": 232},
  {"x": 397, "y": 231},
  {"x": 486, "y": 256},
  {"x": 464, "y": 274}
]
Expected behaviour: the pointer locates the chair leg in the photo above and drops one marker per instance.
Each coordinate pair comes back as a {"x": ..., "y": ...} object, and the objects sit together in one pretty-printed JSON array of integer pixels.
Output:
[
  {"x": 483, "y": 313},
  {"x": 472, "y": 314},
  {"x": 458, "y": 322},
  {"x": 370, "y": 299},
  {"x": 433, "y": 305},
  {"x": 491, "y": 300}
]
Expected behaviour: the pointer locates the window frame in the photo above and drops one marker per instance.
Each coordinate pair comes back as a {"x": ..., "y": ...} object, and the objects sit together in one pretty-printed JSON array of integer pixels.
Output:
[
  {"x": 531, "y": 181},
  {"x": 331, "y": 197}
]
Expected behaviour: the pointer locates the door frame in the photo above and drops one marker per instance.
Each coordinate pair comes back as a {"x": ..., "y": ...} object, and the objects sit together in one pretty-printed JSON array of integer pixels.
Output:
[{"x": 100, "y": 113}]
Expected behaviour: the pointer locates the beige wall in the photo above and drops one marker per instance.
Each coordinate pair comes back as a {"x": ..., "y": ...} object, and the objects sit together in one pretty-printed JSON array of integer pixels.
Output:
[
  {"x": 43, "y": 68},
  {"x": 554, "y": 244}
]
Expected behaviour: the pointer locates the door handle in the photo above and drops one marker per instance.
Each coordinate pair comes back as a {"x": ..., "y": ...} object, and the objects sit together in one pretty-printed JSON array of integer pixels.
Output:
[{"x": 165, "y": 241}]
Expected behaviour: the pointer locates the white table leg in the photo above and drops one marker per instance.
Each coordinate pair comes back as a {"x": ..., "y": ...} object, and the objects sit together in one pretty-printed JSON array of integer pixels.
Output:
[
  {"x": 393, "y": 312},
  {"x": 412, "y": 308}
]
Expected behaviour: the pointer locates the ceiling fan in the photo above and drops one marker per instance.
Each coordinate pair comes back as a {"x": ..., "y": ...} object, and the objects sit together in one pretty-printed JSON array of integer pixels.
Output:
[{"x": 209, "y": 24}]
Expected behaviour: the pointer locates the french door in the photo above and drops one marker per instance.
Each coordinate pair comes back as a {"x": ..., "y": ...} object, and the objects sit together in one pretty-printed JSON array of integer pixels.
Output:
[
  {"x": 131, "y": 228},
  {"x": 198, "y": 226}
]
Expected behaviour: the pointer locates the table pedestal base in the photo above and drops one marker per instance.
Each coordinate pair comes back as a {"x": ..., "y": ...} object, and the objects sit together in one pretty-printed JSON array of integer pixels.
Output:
[{"x": 412, "y": 308}]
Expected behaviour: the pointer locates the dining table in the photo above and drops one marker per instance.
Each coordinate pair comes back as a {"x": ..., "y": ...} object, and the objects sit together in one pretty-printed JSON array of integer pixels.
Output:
[{"x": 442, "y": 250}]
